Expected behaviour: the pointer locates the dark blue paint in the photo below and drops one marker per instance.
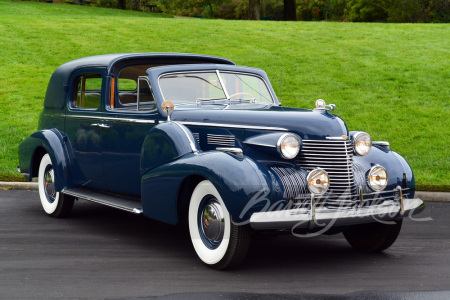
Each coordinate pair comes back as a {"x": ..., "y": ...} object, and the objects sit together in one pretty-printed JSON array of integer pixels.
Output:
[
  {"x": 54, "y": 143},
  {"x": 153, "y": 159},
  {"x": 164, "y": 143},
  {"x": 236, "y": 180}
]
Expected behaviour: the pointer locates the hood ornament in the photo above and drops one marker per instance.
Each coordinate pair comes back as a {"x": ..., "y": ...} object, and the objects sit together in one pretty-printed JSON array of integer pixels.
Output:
[{"x": 320, "y": 104}]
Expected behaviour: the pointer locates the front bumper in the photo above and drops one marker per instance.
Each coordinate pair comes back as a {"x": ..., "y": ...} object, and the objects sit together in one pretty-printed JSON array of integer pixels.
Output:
[{"x": 320, "y": 217}]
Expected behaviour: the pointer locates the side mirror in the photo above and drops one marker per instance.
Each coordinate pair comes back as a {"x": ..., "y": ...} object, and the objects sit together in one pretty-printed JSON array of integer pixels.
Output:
[{"x": 168, "y": 107}]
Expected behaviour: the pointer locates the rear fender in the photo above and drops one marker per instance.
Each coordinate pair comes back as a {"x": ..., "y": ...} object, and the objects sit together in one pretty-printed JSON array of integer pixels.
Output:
[{"x": 53, "y": 142}]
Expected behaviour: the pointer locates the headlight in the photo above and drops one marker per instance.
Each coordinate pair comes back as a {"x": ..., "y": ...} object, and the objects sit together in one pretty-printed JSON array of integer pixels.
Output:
[
  {"x": 362, "y": 142},
  {"x": 377, "y": 178},
  {"x": 288, "y": 145},
  {"x": 318, "y": 181}
]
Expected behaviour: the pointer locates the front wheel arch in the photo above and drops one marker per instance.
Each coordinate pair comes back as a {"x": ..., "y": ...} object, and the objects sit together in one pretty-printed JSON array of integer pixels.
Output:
[{"x": 184, "y": 196}]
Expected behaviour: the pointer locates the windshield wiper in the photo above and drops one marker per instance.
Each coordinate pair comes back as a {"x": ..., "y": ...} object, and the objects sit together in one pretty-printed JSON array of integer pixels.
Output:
[
  {"x": 201, "y": 100},
  {"x": 250, "y": 100}
]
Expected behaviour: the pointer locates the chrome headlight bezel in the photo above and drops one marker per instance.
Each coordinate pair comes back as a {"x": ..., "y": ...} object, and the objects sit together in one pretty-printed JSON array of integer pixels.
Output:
[
  {"x": 376, "y": 182},
  {"x": 312, "y": 183},
  {"x": 362, "y": 143},
  {"x": 289, "y": 151}
]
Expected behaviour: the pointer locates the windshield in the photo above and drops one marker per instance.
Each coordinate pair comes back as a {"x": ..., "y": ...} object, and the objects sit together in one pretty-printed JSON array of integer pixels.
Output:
[{"x": 214, "y": 86}]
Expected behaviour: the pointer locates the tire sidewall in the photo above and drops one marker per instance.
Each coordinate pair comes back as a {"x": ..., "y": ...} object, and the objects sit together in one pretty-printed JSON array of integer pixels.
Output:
[
  {"x": 207, "y": 255},
  {"x": 49, "y": 207}
]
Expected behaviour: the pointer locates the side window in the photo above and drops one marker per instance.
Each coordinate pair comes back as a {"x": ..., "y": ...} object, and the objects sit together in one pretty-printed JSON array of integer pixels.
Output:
[
  {"x": 132, "y": 91},
  {"x": 87, "y": 91},
  {"x": 145, "y": 99}
]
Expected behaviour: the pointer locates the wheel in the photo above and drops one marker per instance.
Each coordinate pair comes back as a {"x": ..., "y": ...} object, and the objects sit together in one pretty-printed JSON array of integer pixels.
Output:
[
  {"x": 372, "y": 237},
  {"x": 55, "y": 204},
  {"x": 218, "y": 242}
]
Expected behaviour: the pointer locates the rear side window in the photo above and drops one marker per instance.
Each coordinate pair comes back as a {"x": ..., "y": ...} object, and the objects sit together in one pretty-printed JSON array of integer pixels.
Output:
[{"x": 87, "y": 91}]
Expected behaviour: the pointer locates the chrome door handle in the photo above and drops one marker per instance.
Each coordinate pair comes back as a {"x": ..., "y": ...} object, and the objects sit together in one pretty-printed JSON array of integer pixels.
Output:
[{"x": 101, "y": 125}]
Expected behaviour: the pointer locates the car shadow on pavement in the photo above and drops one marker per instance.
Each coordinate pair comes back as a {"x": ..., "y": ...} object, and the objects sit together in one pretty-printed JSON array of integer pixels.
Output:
[{"x": 285, "y": 252}]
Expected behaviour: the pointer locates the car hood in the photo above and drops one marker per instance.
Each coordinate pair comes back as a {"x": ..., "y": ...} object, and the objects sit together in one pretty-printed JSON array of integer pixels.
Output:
[{"x": 308, "y": 124}]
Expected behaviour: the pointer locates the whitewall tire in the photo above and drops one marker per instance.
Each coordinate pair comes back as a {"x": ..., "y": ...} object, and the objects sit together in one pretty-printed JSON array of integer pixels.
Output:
[
  {"x": 54, "y": 203},
  {"x": 217, "y": 241}
]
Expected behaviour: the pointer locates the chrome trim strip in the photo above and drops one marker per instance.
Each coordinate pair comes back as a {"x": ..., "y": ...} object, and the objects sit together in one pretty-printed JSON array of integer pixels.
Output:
[
  {"x": 259, "y": 144},
  {"x": 232, "y": 126},
  {"x": 222, "y": 85},
  {"x": 191, "y": 142},
  {"x": 339, "y": 216},
  {"x": 136, "y": 210},
  {"x": 321, "y": 142},
  {"x": 382, "y": 144},
  {"x": 127, "y": 120},
  {"x": 235, "y": 151}
]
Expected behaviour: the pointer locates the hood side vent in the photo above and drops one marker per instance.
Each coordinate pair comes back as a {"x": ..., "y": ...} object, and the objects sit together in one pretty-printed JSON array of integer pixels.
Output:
[{"x": 221, "y": 140}]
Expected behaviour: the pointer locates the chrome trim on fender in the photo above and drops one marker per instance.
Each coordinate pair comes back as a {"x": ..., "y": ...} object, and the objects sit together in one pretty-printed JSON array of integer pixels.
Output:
[
  {"x": 382, "y": 144},
  {"x": 191, "y": 142},
  {"x": 233, "y": 126},
  {"x": 320, "y": 217},
  {"x": 234, "y": 151}
]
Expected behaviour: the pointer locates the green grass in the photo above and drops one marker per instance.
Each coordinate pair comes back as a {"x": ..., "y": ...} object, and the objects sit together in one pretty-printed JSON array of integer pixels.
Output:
[{"x": 391, "y": 80}]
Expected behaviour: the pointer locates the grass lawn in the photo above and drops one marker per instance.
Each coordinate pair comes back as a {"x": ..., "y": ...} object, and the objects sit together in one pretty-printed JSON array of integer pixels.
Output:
[{"x": 390, "y": 80}]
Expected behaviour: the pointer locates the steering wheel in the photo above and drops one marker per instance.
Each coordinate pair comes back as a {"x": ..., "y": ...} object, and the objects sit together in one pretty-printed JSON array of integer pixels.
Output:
[{"x": 242, "y": 93}]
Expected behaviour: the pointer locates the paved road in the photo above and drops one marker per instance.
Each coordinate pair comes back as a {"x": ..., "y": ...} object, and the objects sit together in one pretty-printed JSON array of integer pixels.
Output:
[{"x": 100, "y": 252}]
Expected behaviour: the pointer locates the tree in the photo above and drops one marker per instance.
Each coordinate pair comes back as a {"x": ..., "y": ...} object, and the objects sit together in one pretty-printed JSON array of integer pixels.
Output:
[
  {"x": 121, "y": 4},
  {"x": 254, "y": 10},
  {"x": 135, "y": 4},
  {"x": 290, "y": 13}
]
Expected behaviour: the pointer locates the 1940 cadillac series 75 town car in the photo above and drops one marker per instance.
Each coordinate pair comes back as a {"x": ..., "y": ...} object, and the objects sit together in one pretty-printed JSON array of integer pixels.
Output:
[{"x": 195, "y": 138}]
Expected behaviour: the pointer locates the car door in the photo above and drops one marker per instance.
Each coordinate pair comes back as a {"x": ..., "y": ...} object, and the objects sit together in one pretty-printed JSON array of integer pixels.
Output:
[
  {"x": 130, "y": 116},
  {"x": 84, "y": 124}
]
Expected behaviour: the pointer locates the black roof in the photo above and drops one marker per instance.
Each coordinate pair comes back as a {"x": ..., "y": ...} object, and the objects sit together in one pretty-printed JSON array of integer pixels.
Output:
[{"x": 56, "y": 89}]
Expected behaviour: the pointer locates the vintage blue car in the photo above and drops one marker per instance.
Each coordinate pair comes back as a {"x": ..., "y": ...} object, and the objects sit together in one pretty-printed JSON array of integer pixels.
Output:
[{"x": 196, "y": 140}]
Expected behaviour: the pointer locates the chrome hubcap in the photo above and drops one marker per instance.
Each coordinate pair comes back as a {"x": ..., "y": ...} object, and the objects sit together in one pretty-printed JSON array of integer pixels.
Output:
[
  {"x": 49, "y": 185},
  {"x": 212, "y": 222}
]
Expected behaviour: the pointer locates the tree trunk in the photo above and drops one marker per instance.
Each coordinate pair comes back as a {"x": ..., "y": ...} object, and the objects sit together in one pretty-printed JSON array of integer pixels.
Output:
[
  {"x": 211, "y": 10},
  {"x": 121, "y": 4},
  {"x": 254, "y": 10},
  {"x": 290, "y": 13},
  {"x": 134, "y": 5}
]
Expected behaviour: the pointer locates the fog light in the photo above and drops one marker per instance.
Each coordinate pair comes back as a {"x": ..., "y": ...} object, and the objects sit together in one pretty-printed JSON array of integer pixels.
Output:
[
  {"x": 377, "y": 178},
  {"x": 318, "y": 181}
]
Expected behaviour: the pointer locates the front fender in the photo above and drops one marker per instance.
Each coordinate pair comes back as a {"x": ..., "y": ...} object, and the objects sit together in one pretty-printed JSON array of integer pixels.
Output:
[
  {"x": 166, "y": 142},
  {"x": 236, "y": 179},
  {"x": 53, "y": 142},
  {"x": 398, "y": 170}
]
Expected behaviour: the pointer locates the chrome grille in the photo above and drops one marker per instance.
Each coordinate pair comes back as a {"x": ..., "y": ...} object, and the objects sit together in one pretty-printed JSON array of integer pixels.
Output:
[
  {"x": 223, "y": 140},
  {"x": 294, "y": 183},
  {"x": 335, "y": 157}
]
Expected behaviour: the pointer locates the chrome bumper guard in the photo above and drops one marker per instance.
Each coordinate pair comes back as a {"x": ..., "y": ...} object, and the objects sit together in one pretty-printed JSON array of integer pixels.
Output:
[{"x": 319, "y": 217}]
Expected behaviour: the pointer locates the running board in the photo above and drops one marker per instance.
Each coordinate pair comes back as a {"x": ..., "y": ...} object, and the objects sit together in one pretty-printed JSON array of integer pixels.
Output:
[{"x": 116, "y": 201}]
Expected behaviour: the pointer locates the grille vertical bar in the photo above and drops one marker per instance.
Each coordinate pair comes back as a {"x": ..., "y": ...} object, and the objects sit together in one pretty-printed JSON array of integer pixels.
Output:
[{"x": 336, "y": 158}]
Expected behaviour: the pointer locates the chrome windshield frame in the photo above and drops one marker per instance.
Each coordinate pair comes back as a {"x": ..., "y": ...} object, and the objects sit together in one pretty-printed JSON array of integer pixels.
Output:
[{"x": 218, "y": 73}]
